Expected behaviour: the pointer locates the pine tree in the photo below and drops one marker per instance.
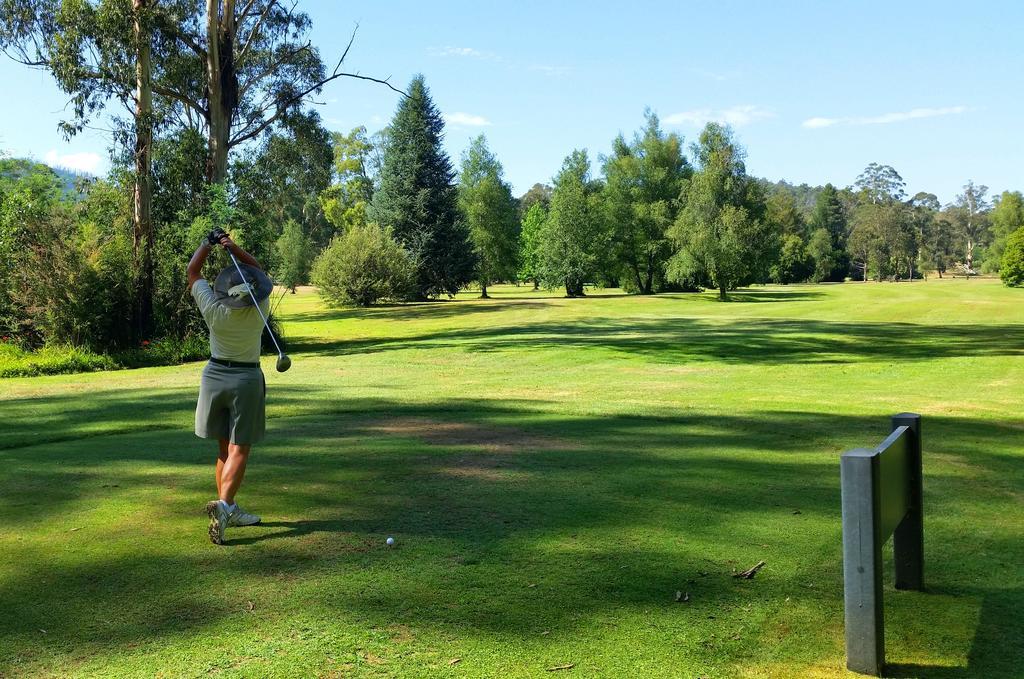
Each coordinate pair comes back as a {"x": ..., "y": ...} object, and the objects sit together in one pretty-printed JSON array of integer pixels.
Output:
[{"x": 418, "y": 198}]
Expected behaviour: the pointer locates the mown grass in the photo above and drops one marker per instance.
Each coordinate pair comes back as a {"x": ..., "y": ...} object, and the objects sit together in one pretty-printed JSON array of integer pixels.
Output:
[{"x": 554, "y": 472}]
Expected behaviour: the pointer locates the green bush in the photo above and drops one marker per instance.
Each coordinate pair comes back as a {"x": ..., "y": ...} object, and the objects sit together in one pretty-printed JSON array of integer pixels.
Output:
[
  {"x": 170, "y": 351},
  {"x": 62, "y": 359},
  {"x": 50, "y": 360},
  {"x": 363, "y": 266},
  {"x": 1011, "y": 269}
]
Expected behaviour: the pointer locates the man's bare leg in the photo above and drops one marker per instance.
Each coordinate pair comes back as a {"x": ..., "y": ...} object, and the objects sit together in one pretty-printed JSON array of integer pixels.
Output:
[
  {"x": 232, "y": 472},
  {"x": 221, "y": 459}
]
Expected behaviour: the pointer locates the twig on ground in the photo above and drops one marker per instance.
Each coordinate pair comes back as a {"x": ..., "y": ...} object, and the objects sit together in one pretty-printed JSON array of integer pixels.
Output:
[{"x": 750, "y": 572}]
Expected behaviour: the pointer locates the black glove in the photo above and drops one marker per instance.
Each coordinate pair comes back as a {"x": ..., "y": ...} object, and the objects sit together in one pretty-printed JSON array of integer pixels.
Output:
[{"x": 213, "y": 238}]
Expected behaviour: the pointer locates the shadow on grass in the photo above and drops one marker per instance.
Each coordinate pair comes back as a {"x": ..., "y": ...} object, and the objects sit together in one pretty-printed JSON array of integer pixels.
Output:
[
  {"x": 486, "y": 497},
  {"x": 997, "y": 648},
  {"x": 415, "y": 310},
  {"x": 687, "y": 340},
  {"x": 461, "y": 308},
  {"x": 70, "y": 417},
  {"x": 749, "y": 295}
]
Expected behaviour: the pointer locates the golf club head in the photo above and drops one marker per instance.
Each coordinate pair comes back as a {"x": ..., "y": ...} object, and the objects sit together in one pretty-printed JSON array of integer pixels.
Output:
[{"x": 283, "y": 363}]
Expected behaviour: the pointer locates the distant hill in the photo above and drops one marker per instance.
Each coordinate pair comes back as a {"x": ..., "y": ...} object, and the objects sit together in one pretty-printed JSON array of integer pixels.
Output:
[
  {"x": 15, "y": 167},
  {"x": 69, "y": 177}
]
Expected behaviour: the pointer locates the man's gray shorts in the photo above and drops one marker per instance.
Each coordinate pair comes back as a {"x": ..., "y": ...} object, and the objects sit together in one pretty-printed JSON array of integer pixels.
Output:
[{"x": 232, "y": 404}]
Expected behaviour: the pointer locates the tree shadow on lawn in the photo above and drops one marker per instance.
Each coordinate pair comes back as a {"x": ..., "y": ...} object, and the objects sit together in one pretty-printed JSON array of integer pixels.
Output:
[
  {"x": 467, "y": 307},
  {"x": 754, "y": 295},
  {"x": 101, "y": 412},
  {"x": 687, "y": 340},
  {"x": 997, "y": 648},
  {"x": 414, "y": 310},
  {"x": 486, "y": 498}
]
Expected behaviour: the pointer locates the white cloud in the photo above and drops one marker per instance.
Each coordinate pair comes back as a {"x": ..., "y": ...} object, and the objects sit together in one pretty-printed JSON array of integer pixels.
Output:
[
  {"x": 553, "y": 71},
  {"x": 885, "y": 118},
  {"x": 465, "y": 119},
  {"x": 87, "y": 163},
  {"x": 460, "y": 52},
  {"x": 734, "y": 115},
  {"x": 717, "y": 76}
]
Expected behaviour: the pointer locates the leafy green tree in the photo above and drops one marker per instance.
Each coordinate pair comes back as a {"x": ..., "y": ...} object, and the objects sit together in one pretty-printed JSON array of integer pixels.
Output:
[
  {"x": 572, "y": 236},
  {"x": 830, "y": 215},
  {"x": 937, "y": 242},
  {"x": 417, "y": 197},
  {"x": 923, "y": 209},
  {"x": 721, "y": 232},
  {"x": 822, "y": 255},
  {"x": 180, "y": 196},
  {"x": 881, "y": 184},
  {"x": 641, "y": 196},
  {"x": 1011, "y": 269},
  {"x": 30, "y": 194},
  {"x": 100, "y": 52},
  {"x": 363, "y": 266},
  {"x": 75, "y": 270},
  {"x": 795, "y": 263},
  {"x": 490, "y": 211},
  {"x": 883, "y": 239},
  {"x": 530, "y": 244},
  {"x": 344, "y": 202},
  {"x": 239, "y": 69},
  {"x": 781, "y": 210},
  {"x": 294, "y": 256},
  {"x": 969, "y": 214},
  {"x": 1006, "y": 217},
  {"x": 280, "y": 180}
]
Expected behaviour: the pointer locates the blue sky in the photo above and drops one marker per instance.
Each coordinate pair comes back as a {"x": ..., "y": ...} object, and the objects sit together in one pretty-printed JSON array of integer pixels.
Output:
[{"x": 814, "y": 90}]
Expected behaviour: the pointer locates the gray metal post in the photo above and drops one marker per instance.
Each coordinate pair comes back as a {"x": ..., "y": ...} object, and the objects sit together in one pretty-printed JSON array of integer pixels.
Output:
[
  {"x": 862, "y": 561},
  {"x": 908, "y": 538}
]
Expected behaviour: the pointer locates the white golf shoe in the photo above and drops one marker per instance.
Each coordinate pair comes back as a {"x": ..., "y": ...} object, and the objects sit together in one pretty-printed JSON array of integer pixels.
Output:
[
  {"x": 240, "y": 517},
  {"x": 218, "y": 514}
]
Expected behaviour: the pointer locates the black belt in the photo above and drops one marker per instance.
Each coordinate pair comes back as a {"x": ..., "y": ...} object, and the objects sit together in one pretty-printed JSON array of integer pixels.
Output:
[{"x": 233, "y": 364}]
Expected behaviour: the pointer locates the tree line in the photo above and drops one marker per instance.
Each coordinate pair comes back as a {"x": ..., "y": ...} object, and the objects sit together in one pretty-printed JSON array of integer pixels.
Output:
[
  {"x": 657, "y": 219},
  {"x": 211, "y": 125}
]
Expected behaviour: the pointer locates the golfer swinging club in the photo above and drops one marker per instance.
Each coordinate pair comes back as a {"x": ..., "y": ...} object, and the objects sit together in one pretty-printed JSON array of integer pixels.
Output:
[{"x": 232, "y": 392}]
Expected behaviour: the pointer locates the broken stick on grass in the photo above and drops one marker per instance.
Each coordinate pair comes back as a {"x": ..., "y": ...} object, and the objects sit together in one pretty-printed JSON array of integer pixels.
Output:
[{"x": 750, "y": 572}]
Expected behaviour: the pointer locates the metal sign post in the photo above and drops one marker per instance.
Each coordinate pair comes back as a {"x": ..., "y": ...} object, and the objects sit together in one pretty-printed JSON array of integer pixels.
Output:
[{"x": 881, "y": 496}]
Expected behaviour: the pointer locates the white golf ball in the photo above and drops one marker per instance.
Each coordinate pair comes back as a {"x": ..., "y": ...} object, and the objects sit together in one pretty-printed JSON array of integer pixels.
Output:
[{"x": 390, "y": 541}]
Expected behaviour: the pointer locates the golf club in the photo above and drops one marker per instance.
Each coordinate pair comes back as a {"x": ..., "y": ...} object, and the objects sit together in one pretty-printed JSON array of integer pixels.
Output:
[{"x": 283, "y": 362}]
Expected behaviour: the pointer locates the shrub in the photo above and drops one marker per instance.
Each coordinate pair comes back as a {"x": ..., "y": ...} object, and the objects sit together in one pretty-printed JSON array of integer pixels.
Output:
[
  {"x": 363, "y": 266},
  {"x": 50, "y": 360},
  {"x": 1011, "y": 269},
  {"x": 169, "y": 351}
]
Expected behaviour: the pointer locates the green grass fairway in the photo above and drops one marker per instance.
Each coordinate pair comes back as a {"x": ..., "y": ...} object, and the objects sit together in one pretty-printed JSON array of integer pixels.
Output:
[{"x": 553, "y": 470}]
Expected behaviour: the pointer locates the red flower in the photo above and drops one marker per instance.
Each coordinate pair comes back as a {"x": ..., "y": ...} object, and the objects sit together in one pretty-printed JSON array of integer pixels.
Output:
[{"x": 145, "y": 343}]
